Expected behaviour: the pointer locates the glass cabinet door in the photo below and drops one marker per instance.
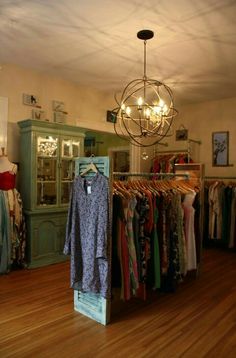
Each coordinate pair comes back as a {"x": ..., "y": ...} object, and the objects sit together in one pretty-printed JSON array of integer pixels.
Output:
[
  {"x": 70, "y": 149},
  {"x": 47, "y": 161}
]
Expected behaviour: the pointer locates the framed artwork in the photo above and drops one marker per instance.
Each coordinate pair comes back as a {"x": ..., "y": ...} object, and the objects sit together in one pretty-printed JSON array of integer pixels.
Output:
[
  {"x": 220, "y": 149},
  {"x": 59, "y": 117},
  {"x": 38, "y": 114},
  {"x": 181, "y": 134},
  {"x": 58, "y": 106},
  {"x": 111, "y": 116},
  {"x": 31, "y": 100}
]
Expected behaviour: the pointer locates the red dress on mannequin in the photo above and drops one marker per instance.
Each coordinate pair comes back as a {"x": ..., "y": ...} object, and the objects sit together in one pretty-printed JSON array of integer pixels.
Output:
[
  {"x": 7, "y": 173},
  {"x": 7, "y": 180}
]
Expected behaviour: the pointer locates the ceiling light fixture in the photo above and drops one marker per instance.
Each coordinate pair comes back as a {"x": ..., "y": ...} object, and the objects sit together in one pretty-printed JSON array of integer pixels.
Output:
[{"x": 145, "y": 109}]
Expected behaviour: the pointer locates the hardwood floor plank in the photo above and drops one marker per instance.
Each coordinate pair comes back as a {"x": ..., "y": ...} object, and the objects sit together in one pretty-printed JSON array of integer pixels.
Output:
[{"x": 37, "y": 318}]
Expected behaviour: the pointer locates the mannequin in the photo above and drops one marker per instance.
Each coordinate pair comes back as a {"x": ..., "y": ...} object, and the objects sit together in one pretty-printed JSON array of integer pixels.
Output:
[
  {"x": 7, "y": 173},
  {"x": 10, "y": 213}
]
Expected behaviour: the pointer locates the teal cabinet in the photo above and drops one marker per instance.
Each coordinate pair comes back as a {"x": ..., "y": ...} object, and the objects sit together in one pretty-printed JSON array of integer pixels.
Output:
[{"x": 47, "y": 166}]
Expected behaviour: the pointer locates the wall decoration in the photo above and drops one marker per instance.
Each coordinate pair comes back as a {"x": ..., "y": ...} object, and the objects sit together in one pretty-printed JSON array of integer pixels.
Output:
[
  {"x": 58, "y": 106},
  {"x": 220, "y": 149},
  {"x": 111, "y": 117},
  {"x": 59, "y": 111},
  {"x": 38, "y": 114},
  {"x": 181, "y": 134},
  {"x": 59, "y": 117},
  {"x": 31, "y": 100}
]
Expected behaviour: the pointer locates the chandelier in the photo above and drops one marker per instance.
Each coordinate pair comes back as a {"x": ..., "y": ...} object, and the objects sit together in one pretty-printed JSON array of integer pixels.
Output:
[{"x": 145, "y": 108}]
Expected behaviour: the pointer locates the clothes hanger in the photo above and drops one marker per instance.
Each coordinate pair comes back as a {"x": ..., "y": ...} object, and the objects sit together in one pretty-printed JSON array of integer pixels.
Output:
[
  {"x": 121, "y": 189},
  {"x": 90, "y": 167}
]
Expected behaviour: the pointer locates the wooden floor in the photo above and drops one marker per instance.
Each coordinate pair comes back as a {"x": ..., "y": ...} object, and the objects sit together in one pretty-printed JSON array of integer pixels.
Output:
[{"x": 199, "y": 320}]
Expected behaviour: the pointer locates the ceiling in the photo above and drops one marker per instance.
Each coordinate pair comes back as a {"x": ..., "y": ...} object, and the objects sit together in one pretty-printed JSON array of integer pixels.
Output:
[{"x": 94, "y": 43}]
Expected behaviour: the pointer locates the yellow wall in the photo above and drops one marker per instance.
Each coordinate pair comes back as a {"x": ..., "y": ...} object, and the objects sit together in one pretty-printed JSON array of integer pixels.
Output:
[
  {"x": 205, "y": 118},
  {"x": 86, "y": 107},
  {"x": 202, "y": 120}
]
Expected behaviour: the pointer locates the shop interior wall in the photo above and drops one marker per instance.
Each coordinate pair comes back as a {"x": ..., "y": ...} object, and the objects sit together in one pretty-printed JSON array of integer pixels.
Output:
[
  {"x": 208, "y": 117},
  {"x": 86, "y": 107},
  {"x": 201, "y": 120}
]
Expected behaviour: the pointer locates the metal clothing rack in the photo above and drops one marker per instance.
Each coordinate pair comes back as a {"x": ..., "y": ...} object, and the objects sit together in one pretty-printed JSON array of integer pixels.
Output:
[
  {"x": 186, "y": 176},
  {"x": 195, "y": 141},
  {"x": 172, "y": 151},
  {"x": 178, "y": 151},
  {"x": 219, "y": 177}
]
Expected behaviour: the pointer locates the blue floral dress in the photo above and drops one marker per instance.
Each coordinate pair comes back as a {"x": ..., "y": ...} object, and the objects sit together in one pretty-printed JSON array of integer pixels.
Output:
[{"x": 87, "y": 235}]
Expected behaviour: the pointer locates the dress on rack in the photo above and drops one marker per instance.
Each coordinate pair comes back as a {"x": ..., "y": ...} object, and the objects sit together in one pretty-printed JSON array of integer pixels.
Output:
[
  {"x": 12, "y": 230},
  {"x": 189, "y": 230},
  {"x": 87, "y": 234}
]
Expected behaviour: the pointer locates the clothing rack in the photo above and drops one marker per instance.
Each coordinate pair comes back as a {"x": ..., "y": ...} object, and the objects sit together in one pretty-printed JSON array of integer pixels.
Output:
[
  {"x": 220, "y": 177},
  {"x": 186, "y": 176},
  {"x": 180, "y": 151},
  {"x": 195, "y": 141},
  {"x": 164, "y": 144},
  {"x": 221, "y": 229},
  {"x": 172, "y": 151},
  {"x": 147, "y": 241}
]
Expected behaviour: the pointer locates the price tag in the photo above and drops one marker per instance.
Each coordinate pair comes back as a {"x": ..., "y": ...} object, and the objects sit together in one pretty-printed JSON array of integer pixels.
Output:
[{"x": 89, "y": 189}]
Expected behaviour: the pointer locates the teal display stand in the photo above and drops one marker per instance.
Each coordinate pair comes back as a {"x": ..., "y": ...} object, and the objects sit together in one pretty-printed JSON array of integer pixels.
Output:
[{"x": 89, "y": 304}]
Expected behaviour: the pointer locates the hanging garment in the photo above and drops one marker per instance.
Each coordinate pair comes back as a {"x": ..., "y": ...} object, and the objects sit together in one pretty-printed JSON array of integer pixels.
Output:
[
  {"x": 226, "y": 214},
  {"x": 215, "y": 210},
  {"x": 12, "y": 231},
  {"x": 152, "y": 234},
  {"x": 189, "y": 230},
  {"x": 155, "y": 249},
  {"x": 232, "y": 238},
  {"x": 87, "y": 234},
  {"x": 133, "y": 268},
  {"x": 5, "y": 237}
]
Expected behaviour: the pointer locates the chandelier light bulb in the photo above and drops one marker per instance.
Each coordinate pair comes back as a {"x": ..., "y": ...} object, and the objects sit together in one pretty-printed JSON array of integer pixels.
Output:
[
  {"x": 165, "y": 109},
  {"x": 128, "y": 111},
  {"x": 156, "y": 110},
  {"x": 123, "y": 107},
  {"x": 161, "y": 103},
  {"x": 148, "y": 113},
  {"x": 140, "y": 102}
]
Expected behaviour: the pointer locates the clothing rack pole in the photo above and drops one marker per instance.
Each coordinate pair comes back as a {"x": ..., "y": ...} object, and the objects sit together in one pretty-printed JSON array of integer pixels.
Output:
[
  {"x": 219, "y": 177},
  {"x": 177, "y": 151},
  {"x": 164, "y": 144},
  {"x": 152, "y": 174},
  {"x": 172, "y": 151},
  {"x": 195, "y": 141}
]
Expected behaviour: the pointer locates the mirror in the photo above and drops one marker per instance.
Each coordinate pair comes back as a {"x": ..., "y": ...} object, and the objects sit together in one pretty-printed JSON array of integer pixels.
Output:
[{"x": 107, "y": 144}]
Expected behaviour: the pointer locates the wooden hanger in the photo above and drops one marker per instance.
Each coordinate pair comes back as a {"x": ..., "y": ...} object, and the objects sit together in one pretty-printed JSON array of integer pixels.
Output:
[
  {"x": 122, "y": 190},
  {"x": 90, "y": 167}
]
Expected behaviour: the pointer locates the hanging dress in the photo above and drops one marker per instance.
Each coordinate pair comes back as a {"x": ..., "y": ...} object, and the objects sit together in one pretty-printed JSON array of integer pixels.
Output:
[
  {"x": 87, "y": 235},
  {"x": 189, "y": 230}
]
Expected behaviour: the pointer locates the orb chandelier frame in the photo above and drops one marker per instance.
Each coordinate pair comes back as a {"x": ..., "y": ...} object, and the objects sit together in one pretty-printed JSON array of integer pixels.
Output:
[{"x": 145, "y": 109}]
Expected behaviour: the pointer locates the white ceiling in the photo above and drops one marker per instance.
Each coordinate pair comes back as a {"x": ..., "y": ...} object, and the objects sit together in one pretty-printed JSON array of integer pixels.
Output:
[{"x": 94, "y": 42}]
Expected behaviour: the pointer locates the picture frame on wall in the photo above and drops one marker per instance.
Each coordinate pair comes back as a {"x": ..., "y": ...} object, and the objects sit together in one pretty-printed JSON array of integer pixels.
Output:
[
  {"x": 59, "y": 117},
  {"x": 31, "y": 100},
  {"x": 38, "y": 114},
  {"x": 220, "y": 149},
  {"x": 181, "y": 134},
  {"x": 58, "y": 106}
]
